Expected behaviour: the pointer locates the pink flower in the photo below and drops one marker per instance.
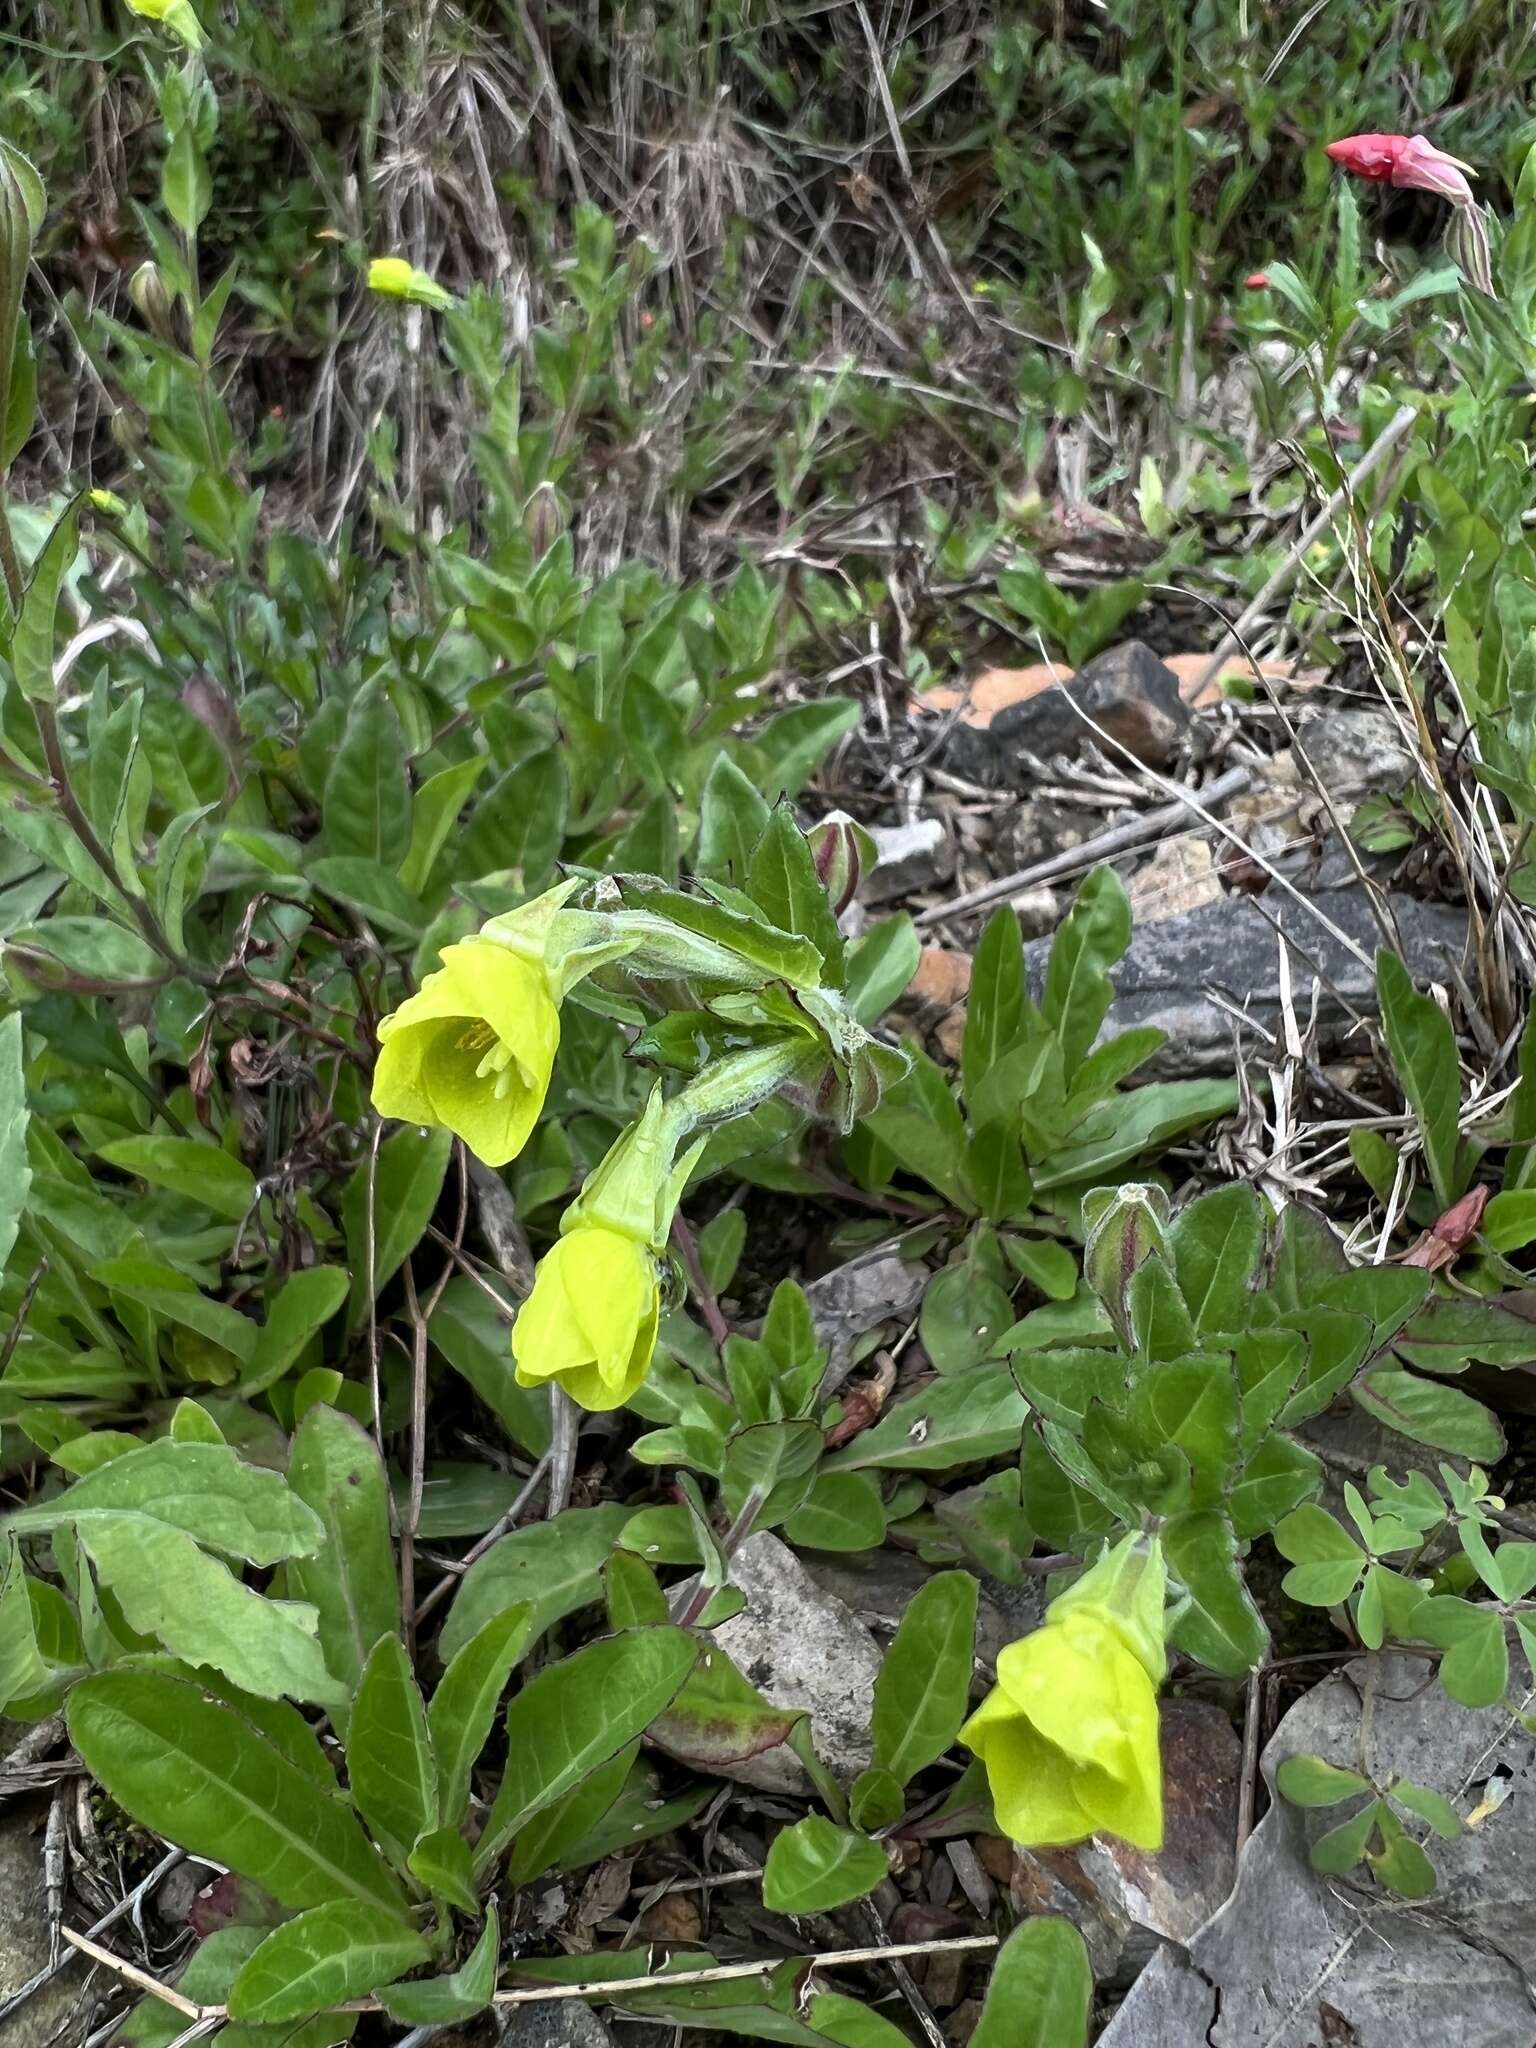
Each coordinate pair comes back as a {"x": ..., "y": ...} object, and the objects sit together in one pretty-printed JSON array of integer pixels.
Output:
[
  {"x": 1256, "y": 281},
  {"x": 1405, "y": 160}
]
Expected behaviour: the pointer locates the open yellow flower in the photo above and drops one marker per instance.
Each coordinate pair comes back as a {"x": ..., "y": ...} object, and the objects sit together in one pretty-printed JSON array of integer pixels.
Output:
[
  {"x": 590, "y": 1322},
  {"x": 177, "y": 15},
  {"x": 472, "y": 1050},
  {"x": 1069, "y": 1737}
]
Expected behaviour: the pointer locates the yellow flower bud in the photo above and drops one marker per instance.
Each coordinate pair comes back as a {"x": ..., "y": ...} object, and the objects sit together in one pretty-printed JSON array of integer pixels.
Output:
[
  {"x": 472, "y": 1050},
  {"x": 1069, "y": 1734},
  {"x": 177, "y": 15},
  {"x": 590, "y": 1322},
  {"x": 393, "y": 278}
]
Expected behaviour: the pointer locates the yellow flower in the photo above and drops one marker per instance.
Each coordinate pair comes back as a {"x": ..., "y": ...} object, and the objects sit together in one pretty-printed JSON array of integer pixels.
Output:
[
  {"x": 472, "y": 1050},
  {"x": 1069, "y": 1736},
  {"x": 177, "y": 16},
  {"x": 393, "y": 278},
  {"x": 590, "y": 1322}
]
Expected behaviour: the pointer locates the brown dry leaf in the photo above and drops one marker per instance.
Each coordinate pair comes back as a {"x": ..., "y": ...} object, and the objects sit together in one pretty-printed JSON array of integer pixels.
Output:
[{"x": 674, "y": 1917}]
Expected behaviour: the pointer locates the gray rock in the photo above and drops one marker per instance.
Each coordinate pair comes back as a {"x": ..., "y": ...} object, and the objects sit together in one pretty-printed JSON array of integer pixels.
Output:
[
  {"x": 907, "y": 857},
  {"x": 48, "y": 2015},
  {"x": 801, "y": 1647},
  {"x": 1355, "y": 754},
  {"x": 1172, "y": 971},
  {"x": 552, "y": 2023},
  {"x": 1293, "y": 1959},
  {"x": 1126, "y": 691},
  {"x": 877, "y": 1585},
  {"x": 1039, "y": 830},
  {"x": 856, "y": 1298}
]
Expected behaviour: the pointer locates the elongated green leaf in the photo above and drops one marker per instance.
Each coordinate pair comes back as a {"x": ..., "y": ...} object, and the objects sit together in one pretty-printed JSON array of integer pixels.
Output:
[
  {"x": 368, "y": 887},
  {"x": 925, "y": 1681},
  {"x": 443, "y": 1862},
  {"x": 720, "y": 1718},
  {"x": 1423, "y": 1048},
  {"x": 575, "y": 1714},
  {"x": 302, "y": 1305},
  {"x": 995, "y": 1008},
  {"x": 33, "y": 638},
  {"x": 543, "y": 1841},
  {"x": 919, "y": 1122},
  {"x": 815, "y": 1867},
  {"x": 171, "y": 1590},
  {"x": 845, "y": 2021},
  {"x": 435, "y": 2001},
  {"x": 407, "y": 1180},
  {"x": 463, "y": 1708},
  {"x": 519, "y": 823},
  {"x": 1217, "y": 1240},
  {"x": 842, "y": 1511},
  {"x": 1041, "y": 1991},
  {"x": 367, "y": 806},
  {"x": 956, "y": 1421},
  {"x": 732, "y": 818},
  {"x": 1092, "y": 937},
  {"x": 555, "y": 1567},
  {"x": 1190, "y": 1406},
  {"x": 332, "y": 1953},
  {"x": 199, "y": 1774},
  {"x": 203, "y": 1172},
  {"x": 207, "y": 1490},
  {"x": 1132, "y": 1124},
  {"x": 1431, "y": 1413},
  {"x": 22, "y": 1670},
  {"x": 350, "y": 1580},
  {"x": 15, "y": 1173},
  {"x": 390, "y": 1764},
  {"x": 434, "y": 814},
  {"x": 1312, "y": 1781},
  {"x": 1219, "y": 1625},
  {"x": 473, "y": 1336}
]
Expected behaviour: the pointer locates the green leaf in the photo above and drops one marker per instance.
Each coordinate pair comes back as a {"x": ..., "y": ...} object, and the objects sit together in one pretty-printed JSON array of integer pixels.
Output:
[
  {"x": 1280, "y": 1476},
  {"x": 304, "y": 1303},
  {"x": 1041, "y": 1990},
  {"x": 732, "y": 818},
  {"x": 390, "y": 1764},
  {"x": 957, "y": 1421},
  {"x": 1092, "y": 937},
  {"x": 332, "y": 1953},
  {"x": 1128, "y": 1125},
  {"x": 554, "y": 1566},
  {"x": 1328, "y": 1561},
  {"x": 1475, "y": 1667},
  {"x": 720, "y": 1718},
  {"x": 549, "y": 1837},
  {"x": 919, "y": 1122},
  {"x": 368, "y": 887},
  {"x": 186, "y": 188},
  {"x": 877, "y": 1799},
  {"x": 367, "y": 805},
  {"x": 782, "y": 881},
  {"x": 633, "y": 1594},
  {"x": 879, "y": 966},
  {"x": 444, "y": 1863},
  {"x": 996, "y": 1005},
  {"x": 335, "y": 1467},
  {"x": 1220, "y": 1625},
  {"x": 463, "y": 1708},
  {"x": 384, "y": 1230},
  {"x": 519, "y": 823},
  {"x": 206, "y": 1490},
  {"x": 434, "y": 814},
  {"x": 575, "y": 1714},
  {"x": 15, "y": 1173},
  {"x": 1342, "y": 1847},
  {"x": 187, "y": 1166},
  {"x": 924, "y": 1684},
  {"x": 963, "y": 1315},
  {"x": 33, "y": 637},
  {"x": 436, "y": 2001},
  {"x": 1431, "y": 1807},
  {"x": 199, "y": 1774},
  {"x": 842, "y": 1511},
  {"x": 852, "y": 2025},
  {"x": 794, "y": 743},
  {"x": 1423, "y": 1048},
  {"x": 1401, "y": 1863},
  {"x": 175, "y": 1592},
  {"x": 1160, "y": 1323},
  {"x": 22, "y": 1669},
  {"x": 1431, "y": 1413},
  {"x": 1191, "y": 1407},
  {"x": 814, "y": 1867},
  {"x": 1312, "y": 1781},
  {"x": 1217, "y": 1240}
]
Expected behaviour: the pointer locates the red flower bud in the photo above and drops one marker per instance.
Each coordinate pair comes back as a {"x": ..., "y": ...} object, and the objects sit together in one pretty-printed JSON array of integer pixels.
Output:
[{"x": 1409, "y": 161}]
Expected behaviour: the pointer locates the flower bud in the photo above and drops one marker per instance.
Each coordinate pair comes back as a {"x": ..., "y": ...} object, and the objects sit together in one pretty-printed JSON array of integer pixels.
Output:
[
  {"x": 1124, "y": 1226},
  {"x": 393, "y": 278},
  {"x": 844, "y": 853},
  {"x": 152, "y": 301}
]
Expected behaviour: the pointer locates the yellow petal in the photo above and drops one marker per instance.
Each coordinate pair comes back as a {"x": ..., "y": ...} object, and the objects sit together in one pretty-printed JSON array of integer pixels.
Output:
[
  {"x": 1034, "y": 1787},
  {"x": 590, "y": 1322}
]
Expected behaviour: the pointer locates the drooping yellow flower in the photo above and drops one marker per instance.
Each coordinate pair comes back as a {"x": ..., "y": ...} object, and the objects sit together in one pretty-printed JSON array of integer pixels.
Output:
[
  {"x": 393, "y": 278},
  {"x": 590, "y": 1322},
  {"x": 472, "y": 1050},
  {"x": 177, "y": 15},
  {"x": 1069, "y": 1734}
]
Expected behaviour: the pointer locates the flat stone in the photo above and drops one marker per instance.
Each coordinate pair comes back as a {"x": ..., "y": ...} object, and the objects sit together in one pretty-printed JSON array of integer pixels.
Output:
[
  {"x": 552, "y": 2023},
  {"x": 803, "y": 1648},
  {"x": 1172, "y": 971},
  {"x": 907, "y": 857},
  {"x": 1181, "y": 876},
  {"x": 1355, "y": 754}
]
